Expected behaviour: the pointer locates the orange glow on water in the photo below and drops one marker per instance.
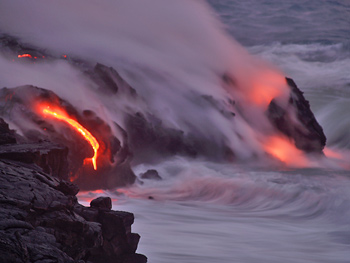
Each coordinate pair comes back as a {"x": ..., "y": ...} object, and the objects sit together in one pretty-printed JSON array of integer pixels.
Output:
[
  {"x": 25, "y": 56},
  {"x": 284, "y": 150},
  {"x": 60, "y": 115}
]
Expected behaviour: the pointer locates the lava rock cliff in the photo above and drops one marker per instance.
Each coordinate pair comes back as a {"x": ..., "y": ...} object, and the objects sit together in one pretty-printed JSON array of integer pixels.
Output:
[{"x": 41, "y": 219}]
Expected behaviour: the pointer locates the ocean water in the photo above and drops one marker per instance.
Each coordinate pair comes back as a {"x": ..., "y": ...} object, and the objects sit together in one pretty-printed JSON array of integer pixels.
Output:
[{"x": 255, "y": 209}]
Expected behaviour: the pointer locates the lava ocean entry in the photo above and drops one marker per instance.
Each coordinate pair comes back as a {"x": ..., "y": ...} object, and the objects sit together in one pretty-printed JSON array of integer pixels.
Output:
[
  {"x": 239, "y": 148},
  {"x": 254, "y": 113},
  {"x": 221, "y": 105}
]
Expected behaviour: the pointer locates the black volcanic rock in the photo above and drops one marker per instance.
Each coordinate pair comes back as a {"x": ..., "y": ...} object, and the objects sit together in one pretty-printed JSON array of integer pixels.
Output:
[
  {"x": 40, "y": 218},
  {"x": 149, "y": 140},
  {"x": 109, "y": 81},
  {"x": 151, "y": 174},
  {"x": 308, "y": 134},
  {"x": 41, "y": 221},
  {"x": 117, "y": 237},
  {"x": 52, "y": 158},
  {"x": 102, "y": 203},
  {"x": 67, "y": 188},
  {"x": 13, "y": 46},
  {"x": 148, "y": 136},
  {"x": 7, "y": 136}
]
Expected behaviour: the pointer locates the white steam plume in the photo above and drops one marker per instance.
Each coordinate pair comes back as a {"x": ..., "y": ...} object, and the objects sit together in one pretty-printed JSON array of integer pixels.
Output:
[{"x": 171, "y": 52}]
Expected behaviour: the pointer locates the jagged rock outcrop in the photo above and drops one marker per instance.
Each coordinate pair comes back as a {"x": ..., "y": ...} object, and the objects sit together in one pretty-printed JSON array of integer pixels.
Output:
[
  {"x": 41, "y": 221},
  {"x": 52, "y": 158},
  {"x": 151, "y": 175},
  {"x": 307, "y": 134},
  {"x": 116, "y": 232}
]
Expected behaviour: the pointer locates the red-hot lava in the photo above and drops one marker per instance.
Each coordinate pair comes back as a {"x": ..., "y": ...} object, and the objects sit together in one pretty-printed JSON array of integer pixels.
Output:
[
  {"x": 60, "y": 115},
  {"x": 29, "y": 56},
  {"x": 284, "y": 150},
  {"x": 25, "y": 56}
]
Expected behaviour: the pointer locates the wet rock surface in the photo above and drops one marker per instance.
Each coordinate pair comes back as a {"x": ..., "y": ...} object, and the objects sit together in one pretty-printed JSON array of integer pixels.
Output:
[{"x": 41, "y": 221}]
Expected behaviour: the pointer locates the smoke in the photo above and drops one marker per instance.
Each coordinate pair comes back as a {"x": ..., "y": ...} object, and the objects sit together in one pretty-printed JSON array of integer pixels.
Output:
[
  {"x": 151, "y": 31},
  {"x": 58, "y": 76}
]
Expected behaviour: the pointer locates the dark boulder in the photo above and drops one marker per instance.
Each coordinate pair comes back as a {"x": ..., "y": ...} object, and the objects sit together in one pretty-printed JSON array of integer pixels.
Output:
[
  {"x": 151, "y": 174},
  {"x": 102, "y": 203},
  {"x": 306, "y": 132}
]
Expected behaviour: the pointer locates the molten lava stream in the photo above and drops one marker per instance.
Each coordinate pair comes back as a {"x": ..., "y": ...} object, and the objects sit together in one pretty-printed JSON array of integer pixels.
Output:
[
  {"x": 25, "y": 56},
  {"x": 58, "y": 114}
]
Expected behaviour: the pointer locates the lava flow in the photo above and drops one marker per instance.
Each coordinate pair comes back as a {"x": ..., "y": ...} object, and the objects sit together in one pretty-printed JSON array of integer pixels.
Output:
[
  {"x": 25, "y": 56},
  {"x": 58, "y": 114},
  {"x": 285, "y": 151}
]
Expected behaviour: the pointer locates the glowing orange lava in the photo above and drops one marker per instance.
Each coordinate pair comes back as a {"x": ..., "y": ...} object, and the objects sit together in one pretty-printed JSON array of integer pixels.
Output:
[
  {"x": 284, "y": 150},
  {"x": 25, "y": 56},
  {"x": 58, "y": 114}
]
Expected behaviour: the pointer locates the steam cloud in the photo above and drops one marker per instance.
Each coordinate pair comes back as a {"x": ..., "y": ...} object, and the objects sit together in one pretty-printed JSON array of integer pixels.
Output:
[{"x": 174, "y": 53}]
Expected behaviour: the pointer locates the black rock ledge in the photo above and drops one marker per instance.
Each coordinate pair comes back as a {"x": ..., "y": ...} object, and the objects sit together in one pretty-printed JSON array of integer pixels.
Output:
[{"x": 41, "y": 220}]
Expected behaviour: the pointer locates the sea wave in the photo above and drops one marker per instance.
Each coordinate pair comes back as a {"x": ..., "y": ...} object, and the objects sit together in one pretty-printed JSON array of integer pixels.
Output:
[
  {"x": 311, "y": 65},
  {"x": 304, "y": 193}
]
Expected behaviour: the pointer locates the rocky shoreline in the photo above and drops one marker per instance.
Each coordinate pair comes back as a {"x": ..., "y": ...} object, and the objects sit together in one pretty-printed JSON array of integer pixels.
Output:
[
  {"x": 40, "y": 217},
  {"x": 42, "y": 221}
]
